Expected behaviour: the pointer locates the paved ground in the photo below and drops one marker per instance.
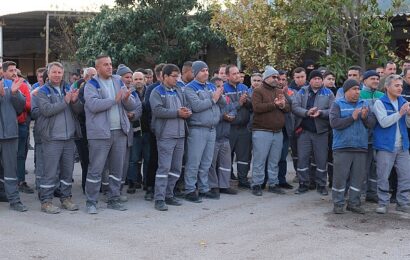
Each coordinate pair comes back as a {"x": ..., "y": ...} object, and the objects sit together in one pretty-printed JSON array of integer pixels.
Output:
[{"x": 234, "y": 227}]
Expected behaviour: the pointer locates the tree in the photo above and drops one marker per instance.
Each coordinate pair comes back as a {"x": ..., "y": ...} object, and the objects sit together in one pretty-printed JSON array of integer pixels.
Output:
[
  {"x": 147, "y": 31},
  {"x": 343, "y": 32},
  {"x": 256, "y": 32},
  {"x": 280, "y": 31}
]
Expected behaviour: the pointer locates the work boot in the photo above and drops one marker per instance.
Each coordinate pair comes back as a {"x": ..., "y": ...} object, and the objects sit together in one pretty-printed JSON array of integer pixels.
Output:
[
  {"x": 372, "y": 199},
  {"x": 302, "y": 189},
  {"x": 276, "y": 189},
  {"x": 193, "y": 197},
  {"x": 172, "y": 201},
  {"x": 338, "y": 209},
  {"x": 322, "y": 190},
  {"x": 160, "y": 205},
  {"x": 356, "y": 209},
  {"x": 24, "y": 188},
  {"x": 18, "y": 206},
  {"x": 131, "y": 187},
  {"x": 68, "y": 204},
  {"x": 149, "y": 194},
  {"x": 381, "y": 209},
  {"x": 229, "y": 191},
  {"x": 49, "y": 208},
  {"x": 91, "y": 208},
  {"x": 116, "y": 204},
  {"x": 210, "y": 195},
  {"x": 256, "y": 190},
  {"x": 245, "y": 185},
  {"x": 403, "y": 208}
]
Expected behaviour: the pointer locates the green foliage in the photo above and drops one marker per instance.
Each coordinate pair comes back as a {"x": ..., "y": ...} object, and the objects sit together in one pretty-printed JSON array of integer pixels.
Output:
[
  {"x": 357, "y": 31},
  {"x": 151, "y": 31}
]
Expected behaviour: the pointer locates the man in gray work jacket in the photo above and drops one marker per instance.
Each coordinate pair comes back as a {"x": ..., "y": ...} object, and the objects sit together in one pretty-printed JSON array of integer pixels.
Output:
[
  {"x": 58, "y": 126},
  {"x": 203, "y": 98},
  {"x": 169, "y": 112},
  {"x": 107, "y": 102},
  {"x": 311, "y": 108},
  {"x": 12, "y": 103}
]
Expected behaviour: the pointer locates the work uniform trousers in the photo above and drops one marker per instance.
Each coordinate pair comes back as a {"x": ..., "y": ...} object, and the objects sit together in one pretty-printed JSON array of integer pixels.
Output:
[
  {"x": 8, "y": 157},
  {"x": 112, "y": 151},
  {"x": 348, "y": 165},
  {"x": 220, "y": 172},
  {"x": 58, "y": 164},
  {"x": 240, "y": 139},
  {"x": 370, "y": 183},
  {"x": 170, "y": 153},
  {"x": 267, "y": 148},
  {"x": 384, "y": 163},
  {"x": 39, "y": 163},
  {"x": 21, "y": 152},
  {"x": 200, "y": 146},
  {"x": 309, "y": 142}
]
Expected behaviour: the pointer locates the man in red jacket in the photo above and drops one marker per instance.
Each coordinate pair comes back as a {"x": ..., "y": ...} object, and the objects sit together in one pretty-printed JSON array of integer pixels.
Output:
[{"x": 10, "y": 72}]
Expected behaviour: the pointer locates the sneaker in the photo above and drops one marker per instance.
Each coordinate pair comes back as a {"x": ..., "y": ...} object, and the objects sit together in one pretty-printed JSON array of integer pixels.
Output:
[
  {"x": 381, "y": 209},
  {"x": 286, "y": 186},
  {"x": 160, "y": 205},
  {"x": 18, "y": 206},
  {"x": 403, "y": 208},
  {"x": 68, "y": 204},
  {"x": 229, "y": 191},
  {"x": 302, "y": 189},
  {"x": 338, "y": 209},
  {"x": 322, "y": 190},
  {"x": 276, "y": 189},
  {"x": 91, "y": 208},
  {"x": 123, "y": 198},
  {"x": 256, "y": 190},
  {"x": 172, "y": 201},
  {"x": 245, "y": 185},
  {"x": 372, "y": 199},
  {"x": 23, "y": 187},
  {"x": 131, "y": 187},
  {"x": 355, "y": 209},
  {"x": 49, "y": 208},
  {"x": 116, "y": 204},
  {"x": 193, "y": 197},
  {"x": 210, "y": 195}
]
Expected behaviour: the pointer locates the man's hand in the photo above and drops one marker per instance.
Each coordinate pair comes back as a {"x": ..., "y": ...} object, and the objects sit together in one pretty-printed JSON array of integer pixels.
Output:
[
  {"x": 74, "y": 95},
  {"x": 67, "y": 97},
  {"x": 35, "y": 92},
  {"x": 126, "y": 94},
  {"x": 312, "y": 111},
  {"x": 16, "y": 85},
  {"x": 228, "y": 118},
  {"x": 130, "y": 115},
  {"x": 184, "y": 112},
  {"x": 365, "y": 112},
  {"x": 243, "y": 98},
  {"x": 118, "y": 97},
  {"x": 355, "y": 113},
  {"x": 217, "y": 94},
  {"x": 2, "y": 92},
  {"x": 404, "y": 109}
]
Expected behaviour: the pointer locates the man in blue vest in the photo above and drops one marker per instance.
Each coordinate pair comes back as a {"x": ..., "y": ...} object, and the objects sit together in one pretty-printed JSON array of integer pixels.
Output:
[
  {"x": 391, "y": 142},
  {"x": 350, "y": 118}
]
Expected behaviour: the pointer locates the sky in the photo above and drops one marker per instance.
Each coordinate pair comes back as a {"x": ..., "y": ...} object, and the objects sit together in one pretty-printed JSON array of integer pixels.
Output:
[{"x": 18, "y": 6}]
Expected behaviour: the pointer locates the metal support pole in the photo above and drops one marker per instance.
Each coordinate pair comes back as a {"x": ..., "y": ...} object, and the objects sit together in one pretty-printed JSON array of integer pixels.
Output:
[{"x": 47, "y": 36}]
